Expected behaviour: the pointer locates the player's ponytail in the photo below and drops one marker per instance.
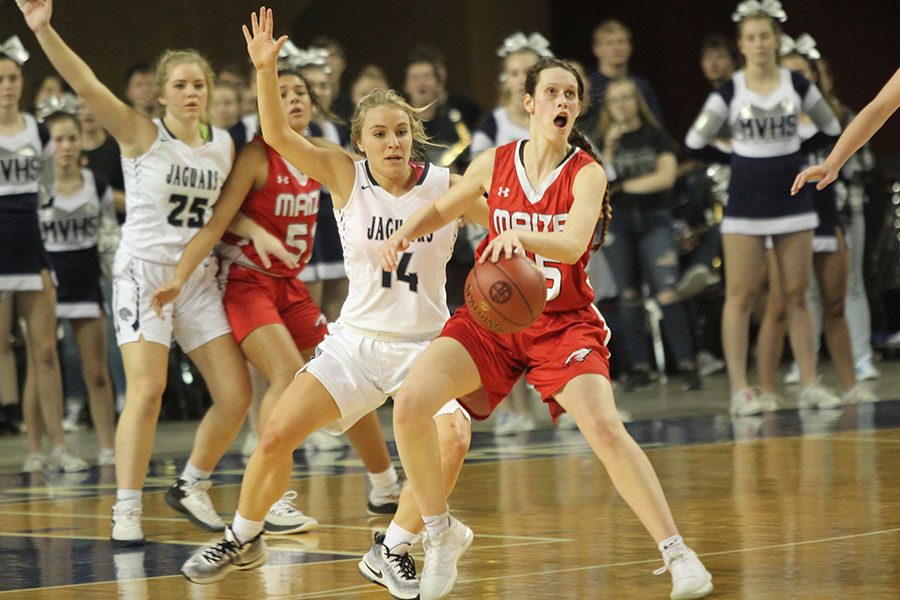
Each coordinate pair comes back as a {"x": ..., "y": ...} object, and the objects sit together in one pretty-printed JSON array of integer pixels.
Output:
[{"x": 576, "y": 138}]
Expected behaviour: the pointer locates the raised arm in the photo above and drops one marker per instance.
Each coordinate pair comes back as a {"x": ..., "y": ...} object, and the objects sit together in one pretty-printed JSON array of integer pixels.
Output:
[
  {"x": 333, "y": 168},
  {"x": 134, "y": 132},
  {"x": 244, "y": 175},
  {"x": 858, "y": 132},
  {"x": 570, "y": 244},
  {"x": 460, "y": 198}
]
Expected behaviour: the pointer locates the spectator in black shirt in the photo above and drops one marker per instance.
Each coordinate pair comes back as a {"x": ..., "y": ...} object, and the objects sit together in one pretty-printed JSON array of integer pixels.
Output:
[{"x": 641, "y": 166}]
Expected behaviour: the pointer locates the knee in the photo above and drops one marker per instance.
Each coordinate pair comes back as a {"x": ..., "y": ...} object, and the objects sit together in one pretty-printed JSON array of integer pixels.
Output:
[
  {"x": 608, "y": 432},
  {"x": 833, "y": 308},
  {"x": 144, "y": 398},
  {"x": 795, "y": 297},
  {"x": 274, "y": 441},
  {"x": 45, "y": 355},
  {"x": 455, "y": 446},
  {"x": 408, "y": 405},
  {"x": 667, "y": 296},
  {"x": 775, "y": 309},
  {"x": 96, "y": 377},
  {"x": 742, "y": 301}
]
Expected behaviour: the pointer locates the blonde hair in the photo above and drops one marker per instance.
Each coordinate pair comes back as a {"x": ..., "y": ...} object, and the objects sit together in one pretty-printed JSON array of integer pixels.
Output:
[
  {"x": 171, "y": 59},
  {"x": 644, "y": 112},
  {"x": 390, "y": 98},
  {"x": 610, "y": 26}
]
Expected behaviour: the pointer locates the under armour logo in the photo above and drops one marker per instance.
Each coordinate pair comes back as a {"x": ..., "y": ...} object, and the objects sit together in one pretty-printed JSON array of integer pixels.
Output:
[
  {"x": 283, "y": 179},
  {"x": 578, "y": 356},
  {"x": 503, "y": 191}
]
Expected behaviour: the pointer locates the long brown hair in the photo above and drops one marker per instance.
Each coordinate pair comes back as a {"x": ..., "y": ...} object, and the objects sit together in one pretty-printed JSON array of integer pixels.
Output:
[
  {"x": 606, "y": 119},
  {"x": 576, "y": 138}
]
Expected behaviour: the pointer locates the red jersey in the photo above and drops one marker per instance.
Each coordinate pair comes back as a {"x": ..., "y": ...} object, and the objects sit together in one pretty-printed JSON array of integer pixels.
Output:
[
  {"x": 514, "y": 204},
  {"x": 287, "y": 207}
]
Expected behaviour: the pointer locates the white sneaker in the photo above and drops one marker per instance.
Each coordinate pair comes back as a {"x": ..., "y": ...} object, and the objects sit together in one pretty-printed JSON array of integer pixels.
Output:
[
  {"x": 194, "y": 502},
  {"x": 396, "y": 572},
  {"x": 792, "y": 377},
  {"x": 319, "y": 441},
  {"x": 34, "y": 462},
  {"x": 126, "y": 523},
  {"x": 708, "y": 364},
  {"x": 859, "y": 394},
  {"x": 106, "y": 457},
  {"x": 690, "y": 579},
  {"x": 746, "y": 402},
  {"x": 283, "y": 517},
  {"x": 249, "y": 445},
  {"x": 62, "y": 459},
  {"x": 768, "y": 402},
  {"x": 442, "y": 551},
  {"x": 817, "y": 396},
  {"x": 212, "y": 563},
  {"x": 866, "y": 371}
]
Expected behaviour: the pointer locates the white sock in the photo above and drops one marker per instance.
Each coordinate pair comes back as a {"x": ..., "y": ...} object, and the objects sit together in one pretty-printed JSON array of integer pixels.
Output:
[
  {"x": 397, "y": 536},
  {"x": 122, "y": 495},
  {"x": 384, "y": 483},
  {"x": 244, "y": 529},
  {"x": 670, "y": 545},
  {"x": 437, "y": 523},
  {"x": 192, "y": 474}
]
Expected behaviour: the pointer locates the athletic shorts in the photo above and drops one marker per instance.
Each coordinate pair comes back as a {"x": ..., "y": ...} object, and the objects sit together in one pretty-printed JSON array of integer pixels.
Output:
[
  {"x": 254, "y": 299},
  {"x": 551, "y": 352},
  {"x": 195, "y": 318},
  {"x": 361, "y": 373}
]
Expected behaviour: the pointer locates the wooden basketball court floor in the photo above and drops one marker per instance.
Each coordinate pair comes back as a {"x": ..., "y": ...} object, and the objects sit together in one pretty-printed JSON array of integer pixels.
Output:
[{"x": 793, "y": 504}]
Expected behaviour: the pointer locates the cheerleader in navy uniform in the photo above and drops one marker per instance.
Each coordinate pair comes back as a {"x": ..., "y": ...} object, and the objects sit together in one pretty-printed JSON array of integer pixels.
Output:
[
  {"x": 762, "y": 104},
  {"x": 78, "y": 214},
  {"x": 25, "y": 273},
  {"x": 174, "y": 169},
  {"x": 830, "y": 259}
]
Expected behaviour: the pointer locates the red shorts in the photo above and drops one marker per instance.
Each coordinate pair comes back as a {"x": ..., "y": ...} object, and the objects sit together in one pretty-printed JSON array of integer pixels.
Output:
[
  {"x": 253, "y": 299},
  {"x": 551, "y": 352}
]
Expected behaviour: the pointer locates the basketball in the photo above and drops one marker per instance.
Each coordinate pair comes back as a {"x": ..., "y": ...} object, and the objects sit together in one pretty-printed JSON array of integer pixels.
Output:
[{"x": 506, "y": 296}]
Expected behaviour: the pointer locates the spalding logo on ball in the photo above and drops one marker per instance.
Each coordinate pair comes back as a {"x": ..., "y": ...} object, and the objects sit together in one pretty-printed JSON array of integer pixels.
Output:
[{"x": 506, "y": 296}]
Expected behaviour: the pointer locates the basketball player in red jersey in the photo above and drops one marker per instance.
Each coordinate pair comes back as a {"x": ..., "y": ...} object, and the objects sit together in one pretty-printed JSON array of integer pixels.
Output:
[
  {"x": 268, "y": 207},
  {"x": 545, "y": 198}
]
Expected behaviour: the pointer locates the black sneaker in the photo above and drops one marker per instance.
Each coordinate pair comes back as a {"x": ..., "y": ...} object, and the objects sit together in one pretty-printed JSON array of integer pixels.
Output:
[
  {"x": 690, "y": 380},
  {"x": 637, "y": 380}
]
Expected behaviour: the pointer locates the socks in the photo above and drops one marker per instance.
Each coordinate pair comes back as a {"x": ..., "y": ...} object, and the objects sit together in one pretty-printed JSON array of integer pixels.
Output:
[
  {"x": 384, "y": 484},
  {"x": 437, "y": 523},
  {"x": 123, "y": 495},
  {"x": 245, "y": 530},
  {"x": 192, "y": 474},
  {"x": 397, "y": 536},
  {"x": 672, "y": 545}
]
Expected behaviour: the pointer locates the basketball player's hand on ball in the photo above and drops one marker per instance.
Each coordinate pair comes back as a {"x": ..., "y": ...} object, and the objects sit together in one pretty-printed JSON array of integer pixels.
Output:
[
  {"x": 821, "y": 173},
  {"x": 507, "y": 244},
  {"x": 166, "y": 294},
  {"x": 390, "y": 250},
  {"x": 268, "y": 245},
  {"x": 37, "y": 12},
  {"x": 261, "y": 46}
]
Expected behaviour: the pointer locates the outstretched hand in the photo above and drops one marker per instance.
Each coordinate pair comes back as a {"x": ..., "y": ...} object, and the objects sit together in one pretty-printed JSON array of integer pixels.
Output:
[
  {"x": 166, "y": 294},
  {"x": 261, "y": 46},
  {"x": 821, "y": 173},
  {"x": 390, "y": 250},
  {"x": 37, "y": 12}
]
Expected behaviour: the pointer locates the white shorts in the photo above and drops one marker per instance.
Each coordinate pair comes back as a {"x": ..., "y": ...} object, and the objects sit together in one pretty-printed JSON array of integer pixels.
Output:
[
  {"x": 361, "y": 373},
  {"x": 195, "y": 318}
]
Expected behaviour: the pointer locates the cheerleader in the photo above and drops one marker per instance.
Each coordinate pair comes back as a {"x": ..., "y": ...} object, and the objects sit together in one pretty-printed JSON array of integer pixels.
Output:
[{"x": 26, "y": 277}]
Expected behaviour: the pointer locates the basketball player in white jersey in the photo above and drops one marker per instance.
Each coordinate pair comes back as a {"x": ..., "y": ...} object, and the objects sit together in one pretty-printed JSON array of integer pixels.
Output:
[
  {"x": 174, "y": 168},
  {"x": 25, "y": 274},
  {"x": 386, "y": 322}
]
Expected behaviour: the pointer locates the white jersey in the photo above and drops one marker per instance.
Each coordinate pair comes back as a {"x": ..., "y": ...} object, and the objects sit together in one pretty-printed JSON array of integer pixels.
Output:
[
  {"x": 411, "y": 302},
  {"x": 497, "y": 130},
  {"x": 24, "y": 166},
  {"x": 762, "y": 126},
  {"x": 74, "y": 222},
  {"x": 169, "y": 193}
]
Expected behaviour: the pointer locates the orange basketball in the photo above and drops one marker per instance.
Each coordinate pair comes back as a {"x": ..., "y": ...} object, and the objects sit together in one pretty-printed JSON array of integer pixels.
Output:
[{"x": 506, "y": 296}]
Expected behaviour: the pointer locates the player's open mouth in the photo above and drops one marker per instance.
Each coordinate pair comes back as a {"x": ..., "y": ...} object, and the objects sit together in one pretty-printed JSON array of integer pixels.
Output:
[{"x": 561, "y": 121}]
